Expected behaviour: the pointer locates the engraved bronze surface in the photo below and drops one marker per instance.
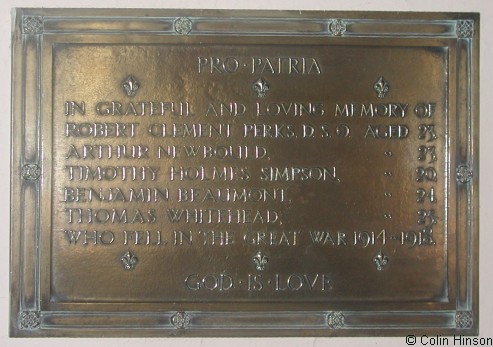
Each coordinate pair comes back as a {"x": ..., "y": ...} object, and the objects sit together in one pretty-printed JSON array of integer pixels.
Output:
[{"x": 244, "y": 173}]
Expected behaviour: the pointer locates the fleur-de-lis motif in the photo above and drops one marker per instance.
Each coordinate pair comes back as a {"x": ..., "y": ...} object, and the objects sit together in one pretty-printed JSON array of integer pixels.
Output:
[
  {"x": 381, "y": 87},
  {"x": 260, "y": 261},
  {"x": 261, "y": 87},
  {"x": 129, "y": 260},
  {"x": 130, "y": 85},
  {"x": 380, "y": 260}
]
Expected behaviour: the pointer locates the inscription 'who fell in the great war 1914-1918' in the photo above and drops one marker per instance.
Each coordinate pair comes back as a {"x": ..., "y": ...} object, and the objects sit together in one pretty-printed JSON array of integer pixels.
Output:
[{"x": 189, "y": 170}]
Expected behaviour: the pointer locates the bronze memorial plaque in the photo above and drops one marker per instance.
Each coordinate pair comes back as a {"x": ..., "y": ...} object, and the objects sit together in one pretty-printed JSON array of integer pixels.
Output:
[{"x": 244, "y": 173}]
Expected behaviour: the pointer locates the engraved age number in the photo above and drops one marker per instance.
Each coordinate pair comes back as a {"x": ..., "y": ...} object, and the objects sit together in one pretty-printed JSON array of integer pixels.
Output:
[{"x": 426, "y": 175}]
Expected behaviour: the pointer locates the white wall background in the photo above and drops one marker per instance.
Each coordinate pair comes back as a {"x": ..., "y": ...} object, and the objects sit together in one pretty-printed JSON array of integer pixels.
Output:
[{"x": 485, "y": 7}]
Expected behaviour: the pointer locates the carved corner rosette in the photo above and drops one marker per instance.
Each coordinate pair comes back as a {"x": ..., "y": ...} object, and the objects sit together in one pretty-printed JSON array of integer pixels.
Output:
[
  {"x": 464, "y": 174},
  {"x": 183, "y": 25},
  {"x": 335, "y": 320},
  {"x": 29, "y": 320},
  {"x": 337, "y": 27},
  {"x": 32, "y": 25},
  {"x": 31, "y": 172},
  {"x": 463, "y": 319},
  {"x": 465, "y": 28},
  {"x": 180, "y": 320}
]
